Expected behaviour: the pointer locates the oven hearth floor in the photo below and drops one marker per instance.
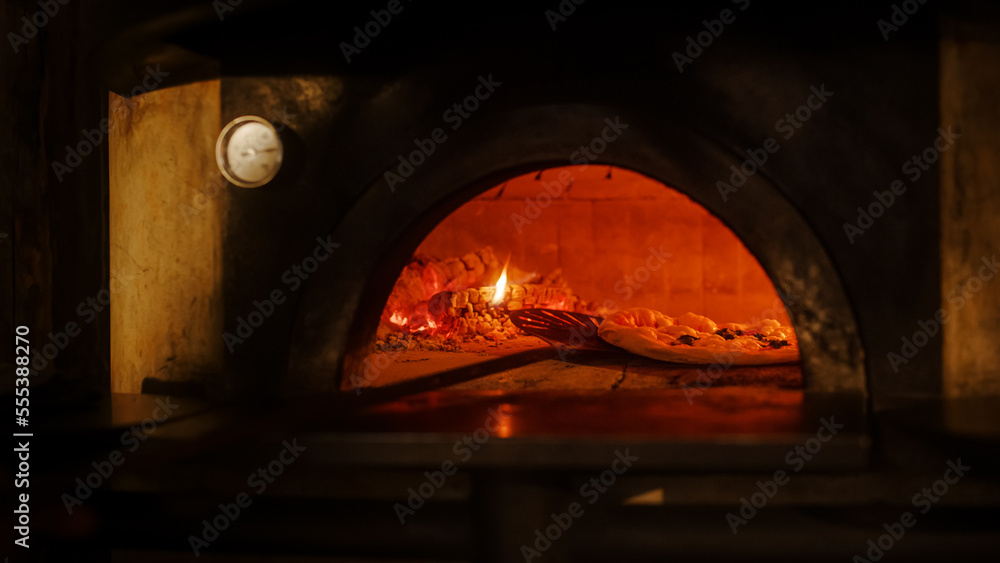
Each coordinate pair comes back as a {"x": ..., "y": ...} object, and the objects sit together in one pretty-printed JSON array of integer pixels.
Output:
[{"x": 542, "y": 368}]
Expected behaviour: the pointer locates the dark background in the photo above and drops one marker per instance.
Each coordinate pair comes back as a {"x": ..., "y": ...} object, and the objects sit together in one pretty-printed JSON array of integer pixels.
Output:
[{"x": 884, "y": 110}]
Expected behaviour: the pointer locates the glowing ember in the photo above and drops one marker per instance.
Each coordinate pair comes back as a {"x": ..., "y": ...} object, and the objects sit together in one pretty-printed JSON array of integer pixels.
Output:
[
  {"x": 437, "y": 300},
  {"x": 501, "y": 286}
]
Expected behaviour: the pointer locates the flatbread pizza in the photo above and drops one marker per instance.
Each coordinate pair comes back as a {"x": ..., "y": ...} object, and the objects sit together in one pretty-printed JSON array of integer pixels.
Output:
[{"x": 695, "y": 339}]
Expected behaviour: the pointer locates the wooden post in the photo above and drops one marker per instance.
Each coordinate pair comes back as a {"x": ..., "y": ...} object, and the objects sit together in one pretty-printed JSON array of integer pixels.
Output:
[{"x": 970, "y": 207}]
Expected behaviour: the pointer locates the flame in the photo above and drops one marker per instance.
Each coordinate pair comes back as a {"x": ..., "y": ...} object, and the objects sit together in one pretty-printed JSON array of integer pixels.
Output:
[
  {"x": 501, "y": 286},
  {"x": 397, "y": 318}
]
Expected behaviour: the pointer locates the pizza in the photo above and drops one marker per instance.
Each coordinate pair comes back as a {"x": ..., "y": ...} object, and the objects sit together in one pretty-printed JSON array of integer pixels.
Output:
[{"x": 695, "y": 339}]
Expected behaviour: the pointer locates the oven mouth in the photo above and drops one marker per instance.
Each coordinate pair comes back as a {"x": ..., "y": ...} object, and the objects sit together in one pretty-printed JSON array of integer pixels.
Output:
[
  {"x": 341, "y": 308},
  {"x": 581, "y": 244}
]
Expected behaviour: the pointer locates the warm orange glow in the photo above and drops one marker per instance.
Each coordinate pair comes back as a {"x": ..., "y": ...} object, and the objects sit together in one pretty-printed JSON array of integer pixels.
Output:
[
  {"x": 619, "y": 239},
  {"x": 501, "y": 286},
  {"x": 504, "y": 428}
]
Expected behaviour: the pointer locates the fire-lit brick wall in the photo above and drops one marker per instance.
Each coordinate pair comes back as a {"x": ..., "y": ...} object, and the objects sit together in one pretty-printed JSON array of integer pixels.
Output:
[{"x": 621, "y": 240}]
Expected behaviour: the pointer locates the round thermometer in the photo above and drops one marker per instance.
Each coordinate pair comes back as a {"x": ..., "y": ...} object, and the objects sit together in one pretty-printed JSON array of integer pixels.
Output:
[{"x": 249, "y": 151}]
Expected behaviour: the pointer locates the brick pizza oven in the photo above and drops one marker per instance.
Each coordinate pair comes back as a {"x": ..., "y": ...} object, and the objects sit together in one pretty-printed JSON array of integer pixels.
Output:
[{"x": 739, "y": 161}]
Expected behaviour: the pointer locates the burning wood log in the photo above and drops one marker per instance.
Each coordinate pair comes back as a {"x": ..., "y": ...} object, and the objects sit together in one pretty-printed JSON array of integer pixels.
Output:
[
  {"x": 527, "y": 296},
  {"x": 452, "y": 298},
  {"x": 471, "y": 311}
]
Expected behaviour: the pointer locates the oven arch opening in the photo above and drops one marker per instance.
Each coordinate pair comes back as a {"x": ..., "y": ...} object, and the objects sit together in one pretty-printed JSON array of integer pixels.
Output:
[
  {"x": 593, "y": 240},
  {"x": 332, "y": 334}
]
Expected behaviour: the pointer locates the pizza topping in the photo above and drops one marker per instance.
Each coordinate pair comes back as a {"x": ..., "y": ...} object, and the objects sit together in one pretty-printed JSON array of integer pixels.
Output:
[
  {"x": 697, "y": 322},
  {"x": 713, "y": 341},
  {"x": 687, "y": 339},
  {"x": 728, "y": 334}
]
